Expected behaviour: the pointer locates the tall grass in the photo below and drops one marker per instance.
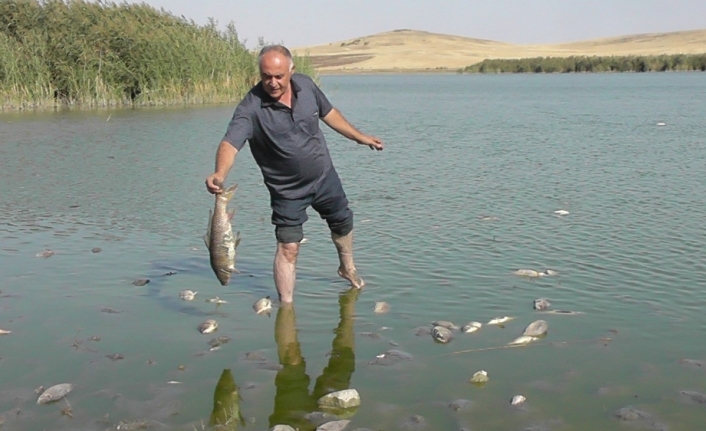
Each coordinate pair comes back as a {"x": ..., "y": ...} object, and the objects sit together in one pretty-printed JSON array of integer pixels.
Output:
[{"x": 77, "y": 53}]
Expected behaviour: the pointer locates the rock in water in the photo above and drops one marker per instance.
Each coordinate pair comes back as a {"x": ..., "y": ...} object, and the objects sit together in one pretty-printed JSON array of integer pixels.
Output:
[
  {"x": 334, "y": 425},
  {"x": 441, "y": 334},
  {"x": 536, "y": 328},
  {"x": 282, "y": 428},
  {"x": 55, "y": 393},
  {"x": 344, "y": 399}
]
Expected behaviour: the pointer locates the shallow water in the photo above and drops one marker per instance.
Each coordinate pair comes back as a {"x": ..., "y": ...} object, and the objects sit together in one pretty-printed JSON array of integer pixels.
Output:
[{"x": 512, "y": 149}]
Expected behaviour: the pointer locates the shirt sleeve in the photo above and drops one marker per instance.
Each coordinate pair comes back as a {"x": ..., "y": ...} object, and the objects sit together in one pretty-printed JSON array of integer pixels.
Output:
[
  {"x": 324, "y": 105},
  {"x": 240, "y": 128}
]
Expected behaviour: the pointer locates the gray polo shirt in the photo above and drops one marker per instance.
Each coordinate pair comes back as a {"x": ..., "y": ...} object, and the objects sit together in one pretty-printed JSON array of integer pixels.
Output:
[{"x": 287, "y": 144}]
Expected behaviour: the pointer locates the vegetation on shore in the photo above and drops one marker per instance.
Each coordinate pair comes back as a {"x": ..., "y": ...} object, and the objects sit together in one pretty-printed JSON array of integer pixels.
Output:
[
  {"x": 577, "y": 64},
  {"x": 78, "y": 53}
]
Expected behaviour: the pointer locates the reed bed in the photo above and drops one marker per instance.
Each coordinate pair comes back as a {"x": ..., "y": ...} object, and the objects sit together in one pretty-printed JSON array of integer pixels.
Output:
[{"x": 82, "y": 54}]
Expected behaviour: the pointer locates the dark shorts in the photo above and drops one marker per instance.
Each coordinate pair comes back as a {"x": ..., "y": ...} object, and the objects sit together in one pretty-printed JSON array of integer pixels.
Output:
[{"x": 329, "y": 200}]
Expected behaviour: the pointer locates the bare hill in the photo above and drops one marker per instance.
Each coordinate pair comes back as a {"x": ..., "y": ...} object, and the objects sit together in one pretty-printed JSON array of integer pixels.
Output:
[{"x": 411, "y": 50}]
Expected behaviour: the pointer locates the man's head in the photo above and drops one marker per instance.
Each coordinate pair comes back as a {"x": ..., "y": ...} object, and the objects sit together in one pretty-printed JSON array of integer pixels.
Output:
[{"x": 276, "y": 68}]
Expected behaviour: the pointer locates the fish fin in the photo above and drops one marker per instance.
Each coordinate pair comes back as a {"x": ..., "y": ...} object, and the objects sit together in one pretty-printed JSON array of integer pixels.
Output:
[
  {"x": 207, "y": 242},
  {"x": 228, "y": 193},
  {"x": 231, "y": 214},
  {"x": 235, "y": 270},
  {"x": 237, "y": 239}
]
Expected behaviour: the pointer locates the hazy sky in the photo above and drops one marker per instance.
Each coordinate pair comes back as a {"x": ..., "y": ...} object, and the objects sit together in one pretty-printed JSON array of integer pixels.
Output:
[{"x": 314, "y": 22}]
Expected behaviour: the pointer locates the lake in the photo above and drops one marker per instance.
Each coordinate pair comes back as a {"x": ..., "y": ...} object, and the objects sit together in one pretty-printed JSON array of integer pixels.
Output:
[{"x": 464, "y": 194}]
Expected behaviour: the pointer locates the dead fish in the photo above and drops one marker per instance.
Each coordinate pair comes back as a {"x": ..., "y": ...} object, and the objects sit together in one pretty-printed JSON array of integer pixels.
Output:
[
  {"x": 445, "y": 324},
  {"x": 480, "y": 378},
  {"x": 561, "y": 212},
  {"x": 550, "y": 272},
  {"x": 140, "y": 282},
  {"x": 536, "y": 328},
  {"x": 442, "y": 334},
  {"x": 96, "y": 250},
  {"x": 529, "y": 273},
  {"x": 46, "y": 253},
  {"x": 187, "y": 295},
  {"x": 471, "y": 327},
  {"x": 219, "y": 238},
  {"x": 208, "y": 326},
  {"x": 564, "y": 312},
  {"x": 115, "y": 356},
  {"x": 262, "y": 305},
  {"x": 218, "y": 341},
  {"x": 381, "y": 307},
  {"x": 541, "y": 304},
  {"x": 517, "y": 400},
  {"x": 55, "y": 393},
  {"x": 216, "y": 300},
  {"x": 500, "y": 320},
  {"x": 5, "y": 331},
  {"x": 524, "y": 339},
  {"x": 109, "y": 310}
]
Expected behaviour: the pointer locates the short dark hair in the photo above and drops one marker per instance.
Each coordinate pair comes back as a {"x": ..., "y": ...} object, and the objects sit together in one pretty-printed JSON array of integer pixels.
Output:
[{"x": 279, "y": 49}]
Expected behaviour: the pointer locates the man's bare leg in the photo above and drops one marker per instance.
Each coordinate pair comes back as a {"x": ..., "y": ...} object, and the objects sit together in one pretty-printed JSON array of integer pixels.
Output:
[
  {"x": 285, "y": 270},
  {"x": 344, "y": 246}
]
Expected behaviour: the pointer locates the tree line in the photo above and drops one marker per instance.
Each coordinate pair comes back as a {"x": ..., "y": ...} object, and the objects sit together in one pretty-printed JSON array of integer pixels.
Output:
[
  {"x": 578, "y": 64},
  {"x": 80, "y": 53}
]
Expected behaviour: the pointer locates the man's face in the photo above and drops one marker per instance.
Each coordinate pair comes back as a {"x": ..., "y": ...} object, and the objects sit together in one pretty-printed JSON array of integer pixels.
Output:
[{"x": 275, "y": 74}]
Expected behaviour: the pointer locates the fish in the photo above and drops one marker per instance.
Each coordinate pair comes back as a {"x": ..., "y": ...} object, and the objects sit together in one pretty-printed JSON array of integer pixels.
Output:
[
  {"x": 541, "y": 304},
  {"x": 529, "y": 273},
  {"x": 219, "y": 238},
  {"x": 444, "y": 324},
  {"x": 523, "y": 339},
  {"x": 500, "y": 320},
  {"x": 226, "y": 413},
  {"x": 55, "y": 393},
  {"x": 262, "y": 305},
  {"x": 381, "y": 307},
  {"x": 517, "y": 400},
  {"x": 471, "y": 327},
  {"x": 5, "y": 331},
  {"x": 536, "y": 328},
  {"x": 564, "y": 312},
  {"x": 561, "y": 212},
  {"x": 208, "y": 326},
  {"x": 187, "y": 295},
  {"x": 442, "y": 334}
]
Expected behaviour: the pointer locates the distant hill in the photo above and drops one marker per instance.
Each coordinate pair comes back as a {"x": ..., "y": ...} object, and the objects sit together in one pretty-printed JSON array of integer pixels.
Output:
[{"x": 413, "y": 51}]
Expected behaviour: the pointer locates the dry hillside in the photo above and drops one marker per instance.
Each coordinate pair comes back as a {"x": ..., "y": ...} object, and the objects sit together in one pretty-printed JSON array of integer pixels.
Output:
[{"x": 411, "y": 50}]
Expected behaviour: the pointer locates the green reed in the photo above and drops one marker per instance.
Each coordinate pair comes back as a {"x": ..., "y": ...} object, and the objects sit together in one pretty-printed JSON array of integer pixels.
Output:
[{"x": 84, "y": 54}]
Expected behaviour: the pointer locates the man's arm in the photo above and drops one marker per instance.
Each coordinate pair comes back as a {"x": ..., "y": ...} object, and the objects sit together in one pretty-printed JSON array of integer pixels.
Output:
[
  {"x": 225, "y": 157},
  {"x": 335, "y": 120}
]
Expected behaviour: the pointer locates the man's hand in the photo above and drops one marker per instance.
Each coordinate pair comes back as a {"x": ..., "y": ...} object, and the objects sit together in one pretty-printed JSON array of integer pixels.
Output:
[
  {"x": 371, "y": 141},
  {"x": 214, "y": 183}
]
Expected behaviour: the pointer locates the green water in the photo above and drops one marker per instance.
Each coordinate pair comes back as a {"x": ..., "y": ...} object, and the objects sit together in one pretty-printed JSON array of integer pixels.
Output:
[{"x": 630, "y": 255}]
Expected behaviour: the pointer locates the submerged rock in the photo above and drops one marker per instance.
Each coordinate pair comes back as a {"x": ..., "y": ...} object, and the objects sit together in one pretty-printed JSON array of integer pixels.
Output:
[
  {"x": 422, "y": 331},
  {"x": 344, "y": 399},
  {"x": 693, "y": 397},
  {"x": 639, "y": 418},
  {"x": 414, "y": 423},
  {"x": 391, "y": 357},
  {"x": 282, "y": 428},
  {"x": 460, "y": 404}
]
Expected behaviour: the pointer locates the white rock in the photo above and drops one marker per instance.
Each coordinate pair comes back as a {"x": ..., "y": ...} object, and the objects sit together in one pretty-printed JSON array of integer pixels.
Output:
[
  {"x": 334, "y": 426},
  {"x": 282, "y": 428},
  {"x": 341, "y": 399}
]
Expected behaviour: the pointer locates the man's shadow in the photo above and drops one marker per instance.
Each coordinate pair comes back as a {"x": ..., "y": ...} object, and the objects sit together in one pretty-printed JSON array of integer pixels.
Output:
[{"x": 292, "y": 398}]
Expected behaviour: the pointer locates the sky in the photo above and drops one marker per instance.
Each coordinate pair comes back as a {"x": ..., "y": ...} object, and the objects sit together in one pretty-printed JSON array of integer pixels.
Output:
[{"x": 298, "y": 23}]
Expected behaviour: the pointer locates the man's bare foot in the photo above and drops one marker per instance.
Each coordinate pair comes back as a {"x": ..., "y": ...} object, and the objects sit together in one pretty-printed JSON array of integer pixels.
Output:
[{"x": 353, "y": 277}]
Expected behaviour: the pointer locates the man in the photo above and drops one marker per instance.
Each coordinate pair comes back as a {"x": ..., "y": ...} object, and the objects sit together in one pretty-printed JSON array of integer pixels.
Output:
[{"x": 280, "y": 118}]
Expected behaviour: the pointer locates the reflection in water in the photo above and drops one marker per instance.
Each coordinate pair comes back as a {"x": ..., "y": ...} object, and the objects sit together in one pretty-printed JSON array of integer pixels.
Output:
[
  {"x": 292, "y": 399},
  {"x": 226, "y": 404}
]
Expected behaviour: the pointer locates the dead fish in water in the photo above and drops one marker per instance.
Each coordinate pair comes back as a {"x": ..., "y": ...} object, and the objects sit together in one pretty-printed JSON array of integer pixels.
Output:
[
  {"x": 5, "y": 331},
  {"x": 471, "y": 327},
  {"x": 445, "y": 324},
  {"x": 140, "y": 282},
  {"x": 262, "y": 305},
  {"x": 46, "y": 253},
  {"x": 219, "y": 238},
  {"x": 480, "y": 378},
  {"x": 529, "y": 273},
  {"x": 541, "y": 304},
  {"x": 216, "y": 300},
  {"x": 218, "y": 341},
  {"x": 500, "y": 320},
  {"x": 208, "y": 326},
  {"x": 381, "y": 307},
  {"x": 441, "y": 334},
  {"x": 521, "y": 340},
  {"x": 55, "y": 393},
  {"x": 561, "y": 212},
  {"x": 550, "y": 272},
  {"x": 187, "y": 295},
  {"x": 96, "y": 250},
  {"x": 517, "y": 400},
  {"x": 536, "y": 328}
]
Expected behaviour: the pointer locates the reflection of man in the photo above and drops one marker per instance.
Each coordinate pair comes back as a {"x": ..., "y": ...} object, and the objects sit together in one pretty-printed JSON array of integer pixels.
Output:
[{"x": 292, "y": 399}]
